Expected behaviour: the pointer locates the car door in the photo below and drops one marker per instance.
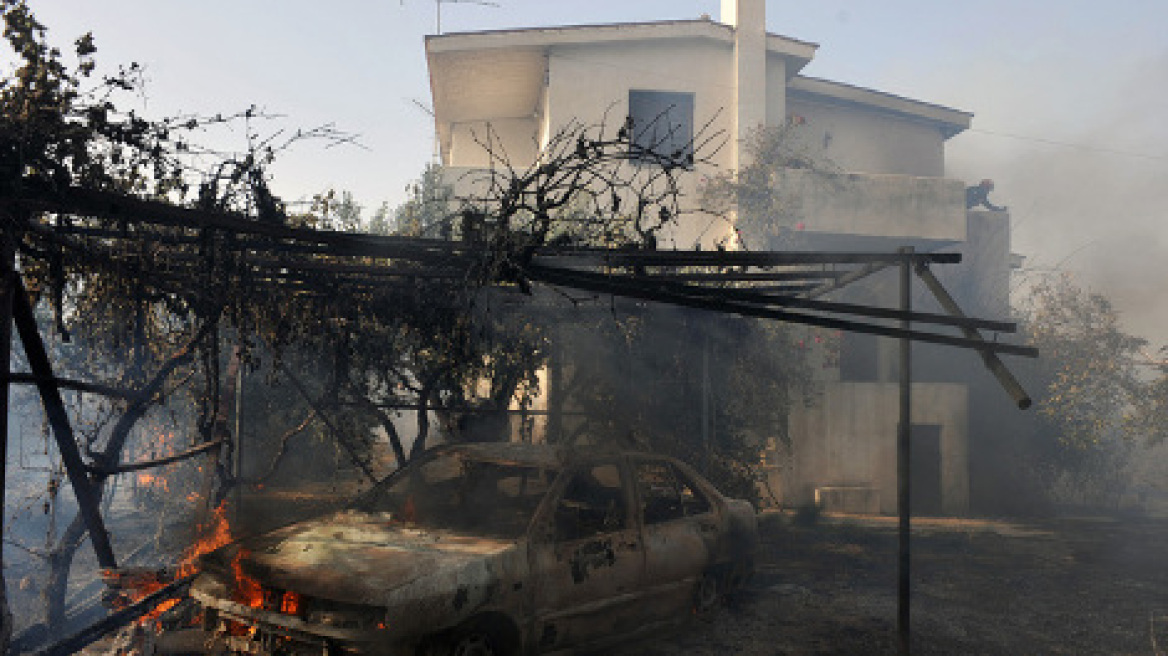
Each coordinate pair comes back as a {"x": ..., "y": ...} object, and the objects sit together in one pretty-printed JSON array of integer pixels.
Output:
[
  {"x": 587, "y": 559},
  {"x": 680, "y": 528}
]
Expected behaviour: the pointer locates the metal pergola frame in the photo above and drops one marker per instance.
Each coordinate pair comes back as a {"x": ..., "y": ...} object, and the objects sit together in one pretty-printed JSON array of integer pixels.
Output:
[{"x": 783, "y": 286}]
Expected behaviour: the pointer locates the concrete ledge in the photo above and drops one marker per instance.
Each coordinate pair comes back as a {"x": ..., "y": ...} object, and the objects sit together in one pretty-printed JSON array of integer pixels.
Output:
[{"x": 876, "y": 204}]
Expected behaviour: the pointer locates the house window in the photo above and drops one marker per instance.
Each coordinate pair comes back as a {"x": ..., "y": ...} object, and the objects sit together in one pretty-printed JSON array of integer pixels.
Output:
[{"x": 663, "y": 123}]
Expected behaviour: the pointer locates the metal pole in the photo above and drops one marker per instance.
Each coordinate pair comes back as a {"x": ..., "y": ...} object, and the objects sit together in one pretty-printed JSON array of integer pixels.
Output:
[
  {"x": 991, "y": 359},
  {"x": 238, "y": 473},
  {"x": 7, "y": 275},
  {"x": 904, "y": 462},
  {"x": 87, "y": 493},
  {"x": 705, "y": 396}
]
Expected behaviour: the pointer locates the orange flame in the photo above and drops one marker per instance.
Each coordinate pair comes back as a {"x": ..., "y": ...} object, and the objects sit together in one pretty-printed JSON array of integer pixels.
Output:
[
  {"x": 150, "y": 480},
  {"x": 248, "y": 591},
  {"x": 215, "y": 533},
  {"x": 290, "y": 603}
]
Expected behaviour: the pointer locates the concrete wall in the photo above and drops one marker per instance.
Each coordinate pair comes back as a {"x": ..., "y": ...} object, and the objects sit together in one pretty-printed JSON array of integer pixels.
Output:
[
  {"x": 876, "y": 205},
  {"x": 589, "y": 83},
  {"x": 861, "y": 140},
  {"x": 517, "y": 138},
  {"x": 848, "y": 439}
]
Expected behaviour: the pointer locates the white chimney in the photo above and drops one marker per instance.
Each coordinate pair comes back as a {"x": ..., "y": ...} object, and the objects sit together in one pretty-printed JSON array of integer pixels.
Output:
[
  {"x": 750, "y": 14},
  {"x": 748, "y": 18}
]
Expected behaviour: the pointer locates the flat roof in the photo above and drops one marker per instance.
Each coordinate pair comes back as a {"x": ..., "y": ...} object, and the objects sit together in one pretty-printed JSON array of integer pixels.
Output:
[
  {"x": 459, "y": 61},
  {"x": 603, "y": 32}
]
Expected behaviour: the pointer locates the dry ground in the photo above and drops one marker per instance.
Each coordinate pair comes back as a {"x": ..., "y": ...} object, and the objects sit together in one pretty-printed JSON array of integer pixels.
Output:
[
  {"x": 1086, "y": 586},
  {"x": 1070, "y": 586}
]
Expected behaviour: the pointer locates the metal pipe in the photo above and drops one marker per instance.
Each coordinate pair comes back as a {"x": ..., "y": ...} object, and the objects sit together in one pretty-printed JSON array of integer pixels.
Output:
[
  {"x": 7, "y": 273},
  {"x": 602, "y": 284},
  {"x": 88, "y": 497},
  {"x": 992, "y": 361},
  {"x": 94, "y": 632},
  {"x": 904, "y": 465}
]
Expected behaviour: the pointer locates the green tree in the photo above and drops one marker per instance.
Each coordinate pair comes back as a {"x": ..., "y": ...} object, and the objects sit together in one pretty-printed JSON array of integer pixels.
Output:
[
  {"x": 1097, "y": 404},
  {"x": 764, "y": 212}
]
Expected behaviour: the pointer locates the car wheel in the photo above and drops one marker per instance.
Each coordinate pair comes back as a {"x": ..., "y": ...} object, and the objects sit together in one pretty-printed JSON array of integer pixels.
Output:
[
  {"x": 473, "y": 643},
  {"x": 708, "y": 593},
  {"x": 468, "y": 641}
]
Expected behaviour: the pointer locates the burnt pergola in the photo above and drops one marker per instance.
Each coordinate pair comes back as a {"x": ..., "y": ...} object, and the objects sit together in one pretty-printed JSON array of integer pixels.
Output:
[{"x": 165, "y": 249}]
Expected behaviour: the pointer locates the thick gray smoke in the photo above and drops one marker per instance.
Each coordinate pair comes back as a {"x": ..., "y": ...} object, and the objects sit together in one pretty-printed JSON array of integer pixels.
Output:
[{"x": 1099, "y": 208}]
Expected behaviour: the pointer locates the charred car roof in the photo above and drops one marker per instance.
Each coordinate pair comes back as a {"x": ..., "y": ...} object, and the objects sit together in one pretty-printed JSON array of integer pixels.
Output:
[{"x": 537, "y": 455}]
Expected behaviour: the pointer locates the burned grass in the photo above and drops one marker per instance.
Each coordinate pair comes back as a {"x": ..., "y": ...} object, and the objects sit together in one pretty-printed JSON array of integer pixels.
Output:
[{"x": 1069, "y": 586}]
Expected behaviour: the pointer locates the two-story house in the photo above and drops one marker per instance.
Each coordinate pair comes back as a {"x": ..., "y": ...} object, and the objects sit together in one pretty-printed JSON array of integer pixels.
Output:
[{"x": 889, "y": 191}]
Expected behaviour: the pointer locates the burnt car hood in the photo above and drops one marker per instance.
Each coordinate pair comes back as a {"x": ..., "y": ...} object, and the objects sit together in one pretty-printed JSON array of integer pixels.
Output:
[{"x": 357, "y": 557}]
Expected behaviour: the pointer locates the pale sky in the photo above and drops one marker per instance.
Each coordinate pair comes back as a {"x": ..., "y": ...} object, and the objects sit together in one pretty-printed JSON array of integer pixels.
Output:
[{"x": 1090, "y": 74}]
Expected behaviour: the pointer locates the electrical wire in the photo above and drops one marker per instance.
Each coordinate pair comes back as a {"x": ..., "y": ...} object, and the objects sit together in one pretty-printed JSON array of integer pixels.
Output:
[{"x": 1067, "y": 144}]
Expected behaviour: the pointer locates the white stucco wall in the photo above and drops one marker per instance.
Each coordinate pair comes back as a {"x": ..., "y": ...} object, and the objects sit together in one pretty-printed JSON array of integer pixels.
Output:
[
  {"x": 860, "y": 140},
  {"x": 516, "y": 138},
  {"x": 588, "y": 82},
  {"x": 848, "y": 438},
  {"x": 875, "y": 205}
]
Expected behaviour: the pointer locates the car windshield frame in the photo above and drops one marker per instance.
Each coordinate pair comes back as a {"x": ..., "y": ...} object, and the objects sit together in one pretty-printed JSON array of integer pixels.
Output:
[{"x": 464, "y": 493}]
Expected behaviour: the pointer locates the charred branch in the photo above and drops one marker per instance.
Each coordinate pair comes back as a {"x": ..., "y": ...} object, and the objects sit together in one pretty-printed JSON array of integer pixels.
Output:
[
  {"x": 110, "y": 391},
  {"x": 116, "y": 620},
  {"x": 158, "y": 462},
  {"x": 342, "y": 438},
  {"x": 282, "y": 450}
]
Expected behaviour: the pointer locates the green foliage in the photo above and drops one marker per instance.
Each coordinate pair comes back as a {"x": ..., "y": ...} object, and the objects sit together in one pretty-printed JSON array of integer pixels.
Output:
[
  {"x": 1093, "y": 389},
  {"x": 427, "y": 210},
  {"x": 56, "y": 131},
  {"x": 1098, "y": 404},
  {"x": 650, "y": 380},
  {"x": 764, "y": 212}
]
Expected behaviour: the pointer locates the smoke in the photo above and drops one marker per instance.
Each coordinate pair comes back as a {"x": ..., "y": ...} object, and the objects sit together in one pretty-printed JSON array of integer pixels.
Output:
[{"x": 1084, "y": 174}]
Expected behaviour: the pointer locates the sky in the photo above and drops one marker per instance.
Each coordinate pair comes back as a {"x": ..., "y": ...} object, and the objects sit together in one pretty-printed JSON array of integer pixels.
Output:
[{"x": 1070, "y": 98}]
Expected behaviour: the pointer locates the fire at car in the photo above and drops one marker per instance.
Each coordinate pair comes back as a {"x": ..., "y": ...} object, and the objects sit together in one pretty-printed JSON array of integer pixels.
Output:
[{"x": 486, "y": 549}]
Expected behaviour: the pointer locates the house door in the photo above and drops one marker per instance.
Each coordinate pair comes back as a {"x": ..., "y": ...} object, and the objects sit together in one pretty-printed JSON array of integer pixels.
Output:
[{"x": 926, "y": 469}]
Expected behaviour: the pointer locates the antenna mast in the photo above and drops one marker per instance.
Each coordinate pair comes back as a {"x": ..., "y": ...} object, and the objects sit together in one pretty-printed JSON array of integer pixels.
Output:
[{"x": 438, "y": 9}]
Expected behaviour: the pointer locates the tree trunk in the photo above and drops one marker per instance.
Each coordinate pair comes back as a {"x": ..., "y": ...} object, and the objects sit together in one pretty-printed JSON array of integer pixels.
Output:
[
  {"x": 419, "y": 444},
  {"x": 60, "y": 559}
]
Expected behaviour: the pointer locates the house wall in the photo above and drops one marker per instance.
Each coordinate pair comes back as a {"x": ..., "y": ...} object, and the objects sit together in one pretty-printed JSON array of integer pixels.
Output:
[
  {"x": 876, "y": 205},
  {"x": 861, "y": 140},
  {"x": 516, "y": 138},
  {"x": 591, "y": 83},
  {"x": 847, "y": 438}
]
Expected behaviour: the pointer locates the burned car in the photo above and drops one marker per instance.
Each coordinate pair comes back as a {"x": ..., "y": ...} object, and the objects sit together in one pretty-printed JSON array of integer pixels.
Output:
[{"x": 487, "y": 549}]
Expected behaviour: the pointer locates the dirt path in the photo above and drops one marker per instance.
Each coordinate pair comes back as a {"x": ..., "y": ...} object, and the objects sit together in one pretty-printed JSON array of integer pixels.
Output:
[{"x": 1075, "y": 586}]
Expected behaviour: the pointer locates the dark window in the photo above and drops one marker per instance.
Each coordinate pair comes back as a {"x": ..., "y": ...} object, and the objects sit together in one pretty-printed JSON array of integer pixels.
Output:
[
  {"x": 858, "y": 358},
  {"x": 667, "y": 494},
  {"x": 593, "y": 502},
  {"x": 462, "y": 494},
  {"x": 663, "y": 123},
  {"x": 693, "y": 502}
]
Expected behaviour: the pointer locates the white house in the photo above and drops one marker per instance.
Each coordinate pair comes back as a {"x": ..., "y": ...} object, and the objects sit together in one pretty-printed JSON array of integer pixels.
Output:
[{"x": 734, "y": 75}]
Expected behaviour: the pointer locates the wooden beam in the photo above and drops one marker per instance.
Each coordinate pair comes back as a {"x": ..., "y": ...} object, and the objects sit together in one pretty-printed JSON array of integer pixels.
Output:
[
  {"x": 94, "y": 632},
  {"x": 25, "y": 378},
  {"x": 88, "y": 499},
  {"x": 568, "y": 278},
  {"x": 992, "y": 362}
]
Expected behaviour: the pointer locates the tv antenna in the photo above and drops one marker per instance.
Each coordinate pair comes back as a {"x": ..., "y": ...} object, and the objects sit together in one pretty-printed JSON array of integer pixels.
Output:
[{"x": 438, "y": 9}]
